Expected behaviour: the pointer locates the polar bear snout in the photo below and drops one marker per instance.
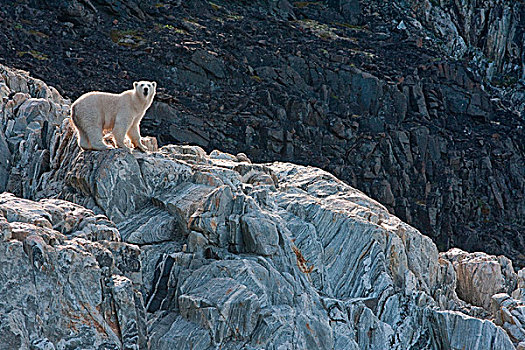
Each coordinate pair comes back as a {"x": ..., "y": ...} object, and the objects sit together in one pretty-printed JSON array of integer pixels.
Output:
[{"x": 145, "y": 92}]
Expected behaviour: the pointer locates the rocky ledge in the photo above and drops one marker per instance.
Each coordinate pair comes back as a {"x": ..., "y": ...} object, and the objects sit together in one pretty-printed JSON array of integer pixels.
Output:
[
  {"x": 417, "y": 103},
  {"x": 179, "y": 249}
]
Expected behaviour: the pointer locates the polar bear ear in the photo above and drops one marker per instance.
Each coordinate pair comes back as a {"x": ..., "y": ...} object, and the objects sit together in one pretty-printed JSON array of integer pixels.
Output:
[
  {"x": 135, "y": 84},
  {"x": 155, "y": 84}
]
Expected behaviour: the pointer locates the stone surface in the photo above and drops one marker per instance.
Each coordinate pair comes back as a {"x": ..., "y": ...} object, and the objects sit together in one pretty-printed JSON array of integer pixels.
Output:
[
  {"x": 458, "y": 331},
  {"x": 520, "y": 292},
  {"x": 491, "y": 31},
  {"x": 480, "y": 276},
  {"x": 418, "y": 103},
  {"x": 61, "y": 285},
  {"x": 230, "y": 254},
  {"x": 510, "y": 315}
]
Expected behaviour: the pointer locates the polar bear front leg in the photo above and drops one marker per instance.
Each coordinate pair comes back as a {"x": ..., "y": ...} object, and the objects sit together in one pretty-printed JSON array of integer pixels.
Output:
[
  {"x": 134, "y": 136},
  {"x": 120, "y": 129}
]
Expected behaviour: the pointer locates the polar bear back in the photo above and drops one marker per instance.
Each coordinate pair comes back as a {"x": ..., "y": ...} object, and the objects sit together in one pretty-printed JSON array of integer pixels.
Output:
[{"x": 101, "y": 108}]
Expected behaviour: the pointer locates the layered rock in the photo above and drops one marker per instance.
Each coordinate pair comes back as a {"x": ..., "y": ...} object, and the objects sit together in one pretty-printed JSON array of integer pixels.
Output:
[
  {"x": 491, "y": 31},
  {"x": 480, "y": 276},
  {"x": 225, "y": 253},
  {"x": 68, "y": 282},
  {"x": 363, "y": 89}
]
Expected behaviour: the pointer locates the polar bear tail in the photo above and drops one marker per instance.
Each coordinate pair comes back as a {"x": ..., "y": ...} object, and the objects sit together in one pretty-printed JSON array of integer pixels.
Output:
[{"x": 74, "y": 116}]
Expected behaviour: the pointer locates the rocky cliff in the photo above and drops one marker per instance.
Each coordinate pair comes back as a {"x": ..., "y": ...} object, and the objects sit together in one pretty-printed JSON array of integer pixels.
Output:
[
  {"x": 417, "y": 103},
  {"x": 180, "y": 249}
]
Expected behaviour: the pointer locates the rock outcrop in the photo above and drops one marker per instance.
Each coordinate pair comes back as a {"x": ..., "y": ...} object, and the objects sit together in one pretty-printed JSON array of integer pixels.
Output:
[
  {"x": 480, "y": 276},
  {"x": 416, "y": 103},
  {"x": 180, "y": 249},
  {"x": 68, "y": 282},
  {"x": 490, "y": 31}
]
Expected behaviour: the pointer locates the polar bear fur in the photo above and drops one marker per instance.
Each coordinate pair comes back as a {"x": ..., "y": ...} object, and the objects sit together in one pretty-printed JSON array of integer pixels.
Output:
[{"x": 96, "y": 112}]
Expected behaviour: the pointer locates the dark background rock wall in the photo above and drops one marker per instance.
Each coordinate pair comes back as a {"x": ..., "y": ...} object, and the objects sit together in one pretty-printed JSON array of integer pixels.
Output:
[{"x": 415, "y": 103}]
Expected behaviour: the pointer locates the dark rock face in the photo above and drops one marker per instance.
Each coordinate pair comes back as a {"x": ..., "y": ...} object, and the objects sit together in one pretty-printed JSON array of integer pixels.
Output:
[
  {"x": 490, "y": 31},
  {"x": 421, "y": 113},
  {"x": 349, "y": 9}
]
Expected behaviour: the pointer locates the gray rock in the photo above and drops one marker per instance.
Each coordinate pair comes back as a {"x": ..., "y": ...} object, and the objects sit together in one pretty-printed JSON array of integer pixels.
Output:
[
  {"x": 510, "y": 315},
  {"x": 5, "y": 160},
  {"x": 151, "y": 225},
  {"x": 42, "y": 344},
  {"x": 231, "y": 254},
  {"x": 119, "y": 191},
  {"x": 230, "y": 310},
  {"x": 480, "y": 276},
  {"x": 519, "y": 293},
  {"x": 455, "y": 330},
  {"x": 211, "y": 218},
  {"x": 150, "y": 259},
  {"x": 462, "y": 30},
  {"x": 197, "y": 243},
  {"x": 172, "y": 331},
  {"x": 350, "y": 9},
  {"x": 58, "y": 290},
  {"x": 259, "y": 235}
]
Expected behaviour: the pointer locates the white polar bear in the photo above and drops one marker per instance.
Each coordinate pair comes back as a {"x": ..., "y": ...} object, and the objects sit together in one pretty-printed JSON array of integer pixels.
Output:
[{"x": 96, "y": 112}]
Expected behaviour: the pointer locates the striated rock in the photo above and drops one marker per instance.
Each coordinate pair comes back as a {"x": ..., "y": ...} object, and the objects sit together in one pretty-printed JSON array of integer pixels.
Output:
[
  {"x": 259, "y": 235},
  {"x": 229, "y": 255},
  {"x": 520, "y": 292},
  {"x": 458, "y": 331},
  {"x": 480, "y": 276},
  {"x": 490, "y": 30},
  {"x": 510, "y": 315},
  {"x": 62, "y": 288},
  {"x": 29, "y": 122},
  {"x": 419, "y": 104}
]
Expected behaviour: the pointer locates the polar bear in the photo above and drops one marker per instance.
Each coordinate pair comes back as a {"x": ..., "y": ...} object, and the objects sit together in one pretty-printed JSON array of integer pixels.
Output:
[{"x": 96, "y": 112}]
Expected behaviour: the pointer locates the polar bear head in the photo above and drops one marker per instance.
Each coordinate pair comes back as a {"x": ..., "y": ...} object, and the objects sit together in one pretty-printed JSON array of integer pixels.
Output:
[{"x": 145, "y": 89}]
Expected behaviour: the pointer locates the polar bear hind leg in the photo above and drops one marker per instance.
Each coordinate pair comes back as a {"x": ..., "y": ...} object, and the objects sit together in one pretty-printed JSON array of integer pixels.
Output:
[
  {"x": 95, "y": 139},
  {"x": 83, "y": 140}
]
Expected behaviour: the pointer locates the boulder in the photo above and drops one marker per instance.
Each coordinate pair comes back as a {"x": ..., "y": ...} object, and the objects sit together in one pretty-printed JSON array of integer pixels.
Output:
[{"x": 480, "y": 276}]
